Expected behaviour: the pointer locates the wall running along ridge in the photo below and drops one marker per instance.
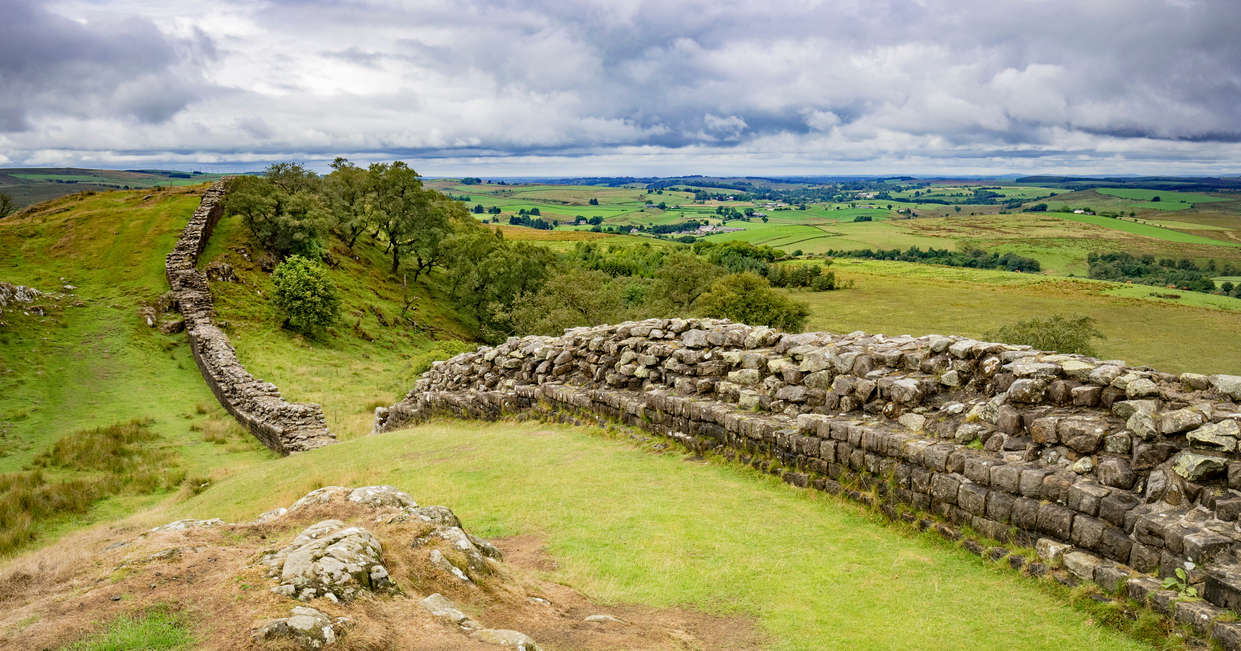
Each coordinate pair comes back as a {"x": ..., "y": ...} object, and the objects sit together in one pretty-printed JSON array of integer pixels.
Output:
[
  {"x": 282, "y": 426},
  {"x": 1120, "y": 471}
]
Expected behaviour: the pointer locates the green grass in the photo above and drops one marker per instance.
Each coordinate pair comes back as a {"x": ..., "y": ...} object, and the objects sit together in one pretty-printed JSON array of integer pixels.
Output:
[
  {"x": 366, "y": 359},
  {"x": 1187, "y": 334},
  {"x": 99, "y": 364},
  {"x": 1144, "y": 230},
  {"x": 156, "y": 629},
  {"x": 1176, "y": 200},
  {"x": 626, "y": 525}
]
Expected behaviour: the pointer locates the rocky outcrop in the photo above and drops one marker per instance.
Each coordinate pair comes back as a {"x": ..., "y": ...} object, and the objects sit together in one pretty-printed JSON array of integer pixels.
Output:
[
  {"x": 281, "y": 425},
  {"x": 1137, "y": 470},
  {"x": 305, "y": 627},
  {"x": 330, "y": 560}
]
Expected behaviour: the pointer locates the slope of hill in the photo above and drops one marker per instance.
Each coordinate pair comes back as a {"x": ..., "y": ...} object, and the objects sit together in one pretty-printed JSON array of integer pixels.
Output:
[
  {"x": 34, "y": 184},
  {"x": 757, "y": 550}
]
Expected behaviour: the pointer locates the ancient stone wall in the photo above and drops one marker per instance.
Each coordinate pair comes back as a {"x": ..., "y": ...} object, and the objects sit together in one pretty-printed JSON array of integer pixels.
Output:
[
  {"x": 1137, "y": 472},
  {"x": 282, "y": 426}
]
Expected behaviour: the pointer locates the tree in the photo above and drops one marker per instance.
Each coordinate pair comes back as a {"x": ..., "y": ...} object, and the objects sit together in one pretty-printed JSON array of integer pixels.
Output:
[
  {"x": 305, "y": 295},
  {"x": 679, "y": 282},
  {"x": 7, "y": 207},
  {"x": 594, "y": 201},
  {"x": 347, "y": 193},
  {"x": 1058, "y": 333},
  {"x": 282, "y": 209},
  {"x": 571, "y": 297},
  {"x": 748, "y": 298},
  {"x": 486, "y": 274},
  {"x": 412, "y": 220}
]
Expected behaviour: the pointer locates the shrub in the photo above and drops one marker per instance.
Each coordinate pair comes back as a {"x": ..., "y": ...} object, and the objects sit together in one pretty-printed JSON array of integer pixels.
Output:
[
  {"x": 305, "y": 295},
  {"x": 1058, "y": 333},
  {"x": 748, "y": 298}
]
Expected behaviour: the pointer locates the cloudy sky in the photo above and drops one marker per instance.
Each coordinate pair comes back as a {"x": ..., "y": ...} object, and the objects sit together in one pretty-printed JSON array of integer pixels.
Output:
[{"x": 627, "y": 86}]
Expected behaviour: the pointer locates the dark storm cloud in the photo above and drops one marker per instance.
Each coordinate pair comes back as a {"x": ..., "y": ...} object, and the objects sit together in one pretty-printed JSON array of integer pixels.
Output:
[
  {"x": 51, "y": 65},
  {"x": 801, "y": 81}
]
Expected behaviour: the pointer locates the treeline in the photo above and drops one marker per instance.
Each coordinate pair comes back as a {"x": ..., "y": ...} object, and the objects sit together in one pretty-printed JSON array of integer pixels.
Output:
[
  {"x": 970, "y": 257},
  {"x": 1148, "y": 270},
  {"x": 502, "y": 287},
  {"x": 604, "y": 283}
]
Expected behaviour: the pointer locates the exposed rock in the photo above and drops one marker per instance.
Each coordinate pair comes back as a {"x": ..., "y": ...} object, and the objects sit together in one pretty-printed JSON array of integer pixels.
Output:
[
  {"x": 329, "y": 559},
  {"x": 1229, "y": 385},
  {"x": 438, "y": 560},
  {"x": 1180, "y": 420},
  {"x": 1220, "y": 436},
  {"x": 1140, "y": 388},
  {"x": 604, "y": 619},
  {"x": 505, "y": 638},
  {"x": 1194, "y": 466},
  {"x": 221, "y": 271},
  {"x": 1114, "y": 471},
  {"x": 379, "y": 496},
  {"x": 441, "y": 607},
  {"x": 1027, "y": 390},
  {"x": 182, "y": 525},
  {"x": 306, "y": 627}
]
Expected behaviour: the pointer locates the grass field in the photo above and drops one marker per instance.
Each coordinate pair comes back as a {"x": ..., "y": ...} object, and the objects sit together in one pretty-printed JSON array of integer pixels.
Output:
[
  {"x": 1187, "y": 334},
  {"x": 32, "y": 185},
  {"x": 1178, "y": 200},
  {"x": 710, "y": 536},
  {"x": 1144, "y": 230}
]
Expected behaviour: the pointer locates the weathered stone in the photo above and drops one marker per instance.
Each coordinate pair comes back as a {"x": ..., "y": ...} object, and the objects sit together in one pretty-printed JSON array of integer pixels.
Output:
[
  {"x": 1081, "y": 564},
  {"x": 304, "y": 627},
  {"x": 506, "y": 638},
  {"x": 1140, "y": 388},
  {"x": 1082, "y": 435},
  {"x": 1127, "y": 408},
  {"x": 442, "y": 608},
  {"x": 1027, "y": 390},
  {"x": 1143, "y": 425},
  {"x": 1195, "y": 467},
  {"x": 330, "y": 558},
  {"x": 1220, "y": 436},
  {"x": 1180, "y": 420},
  {"x": 1114, "y": 471},
  {"x": 694, "y": 338},
  {"x": 1050, "y": 550},
  {"x": 1229, "y": 385},
  {"x": 906, "y": 392}
]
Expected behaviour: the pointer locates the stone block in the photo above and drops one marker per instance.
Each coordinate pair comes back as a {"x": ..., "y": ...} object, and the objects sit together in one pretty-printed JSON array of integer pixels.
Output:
[
  {"x": 1055, "y": 520},
  {"x": 1081, "y": 564},
  {"x": 972, "y": 498}
]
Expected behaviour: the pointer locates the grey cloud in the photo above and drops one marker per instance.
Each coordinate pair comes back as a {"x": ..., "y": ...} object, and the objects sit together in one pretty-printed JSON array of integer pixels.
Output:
[
  {"x": 884, "y": 79},
  {"x": 53, "y": 66}
]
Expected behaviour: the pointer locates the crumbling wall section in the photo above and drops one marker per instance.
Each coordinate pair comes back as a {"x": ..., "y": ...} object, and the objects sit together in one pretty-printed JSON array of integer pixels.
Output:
[
  {"x": 1134, "y": 471},
  {"x": 282, "y": 426}
]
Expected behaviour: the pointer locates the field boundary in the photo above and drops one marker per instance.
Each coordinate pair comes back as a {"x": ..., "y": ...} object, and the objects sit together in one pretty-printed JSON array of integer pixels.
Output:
[{"x": 280, "y": 425}]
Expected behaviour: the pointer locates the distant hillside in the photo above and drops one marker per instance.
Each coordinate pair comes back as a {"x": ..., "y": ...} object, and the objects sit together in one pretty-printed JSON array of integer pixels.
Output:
[{"x": 30, "y": 185}]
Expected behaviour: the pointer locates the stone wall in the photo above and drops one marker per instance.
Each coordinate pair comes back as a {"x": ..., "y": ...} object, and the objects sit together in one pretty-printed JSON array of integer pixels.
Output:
[
  {"x": 1135, "y": 471},
  {"x": 282, "y": 426}
]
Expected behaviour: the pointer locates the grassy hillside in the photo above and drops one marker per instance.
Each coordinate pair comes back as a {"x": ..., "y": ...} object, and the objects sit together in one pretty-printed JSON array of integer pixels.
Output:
[
  {"x": 93, "y": 361},
  {"x": 31, "y": 185},
  {"x": 682, "y": 531}
]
